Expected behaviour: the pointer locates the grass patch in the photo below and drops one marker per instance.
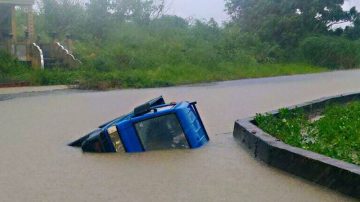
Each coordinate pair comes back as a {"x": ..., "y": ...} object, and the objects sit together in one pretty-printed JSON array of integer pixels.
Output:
[
  {"x": 166, "y": 75},
  {"x": 336, "y": 133}
]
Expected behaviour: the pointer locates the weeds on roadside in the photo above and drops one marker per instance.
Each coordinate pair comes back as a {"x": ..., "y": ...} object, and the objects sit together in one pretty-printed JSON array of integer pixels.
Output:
[
  {"x": 161, "y": 76},
  {"x": 336, "y": 133}
]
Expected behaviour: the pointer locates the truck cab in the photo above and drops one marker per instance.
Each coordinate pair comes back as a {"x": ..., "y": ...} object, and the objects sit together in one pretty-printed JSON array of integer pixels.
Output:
[{"x": 151, "y": 126}]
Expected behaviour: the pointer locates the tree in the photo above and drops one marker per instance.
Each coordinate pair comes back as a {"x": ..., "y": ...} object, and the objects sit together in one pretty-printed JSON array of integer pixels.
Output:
[
  {"x": 103, "y": 14},
  {"x": 353, "y": 31},
  {"x": 140, "y": 11},
  {"x": 98, "y": 17},
  {"x": 286, "y": 22},
  {"x": 62, "y": 16}
]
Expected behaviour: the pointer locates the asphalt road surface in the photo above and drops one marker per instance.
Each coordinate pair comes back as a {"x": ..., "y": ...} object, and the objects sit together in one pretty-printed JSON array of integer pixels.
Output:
[{"x": 36, "y": 165}]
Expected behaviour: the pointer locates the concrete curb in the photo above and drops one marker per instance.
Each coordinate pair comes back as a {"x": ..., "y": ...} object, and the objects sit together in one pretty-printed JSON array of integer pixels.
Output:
[
  {"x": 14, "y": 84},
  {"x": 332, "y": 173},
  {"x": 31, "y": 89}
]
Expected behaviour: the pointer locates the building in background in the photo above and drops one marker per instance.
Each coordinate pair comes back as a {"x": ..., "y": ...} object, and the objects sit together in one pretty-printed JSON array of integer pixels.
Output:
[{"x": 25, "y": 48}]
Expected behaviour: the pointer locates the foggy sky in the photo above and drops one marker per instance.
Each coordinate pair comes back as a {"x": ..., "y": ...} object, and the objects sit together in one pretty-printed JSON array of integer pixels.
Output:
[
  {"x": 202, "y": 9},
  {"x": 205, "y": 9},
  {"x": 350, "y": 3}
]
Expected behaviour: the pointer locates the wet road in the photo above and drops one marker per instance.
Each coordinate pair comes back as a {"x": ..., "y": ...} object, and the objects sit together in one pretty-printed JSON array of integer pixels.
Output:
[{"x": 36, "y": 164}]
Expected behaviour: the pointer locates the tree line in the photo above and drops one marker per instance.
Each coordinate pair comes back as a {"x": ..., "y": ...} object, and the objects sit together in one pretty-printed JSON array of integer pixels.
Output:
[{"x": 120, "y": 34}]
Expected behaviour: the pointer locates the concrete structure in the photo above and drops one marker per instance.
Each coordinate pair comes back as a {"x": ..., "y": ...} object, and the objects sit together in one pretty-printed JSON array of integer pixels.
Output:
[{"x": 26, "y": 49}]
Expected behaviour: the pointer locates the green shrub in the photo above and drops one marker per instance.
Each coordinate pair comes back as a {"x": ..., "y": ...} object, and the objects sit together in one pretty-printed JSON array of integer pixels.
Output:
[
  {"x": 331, "y": 52},
  {"x": 335, "y": 133},
  {"x": 8, "y": 63},
  {"x": 11, "y": 69}
]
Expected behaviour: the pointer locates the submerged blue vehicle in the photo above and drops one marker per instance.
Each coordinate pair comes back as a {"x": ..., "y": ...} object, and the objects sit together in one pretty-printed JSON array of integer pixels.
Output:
[{"x": 151, "y": 126}]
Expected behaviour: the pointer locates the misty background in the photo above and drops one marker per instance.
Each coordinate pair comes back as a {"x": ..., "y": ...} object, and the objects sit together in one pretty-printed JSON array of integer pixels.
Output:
[
  {"x": 136, "y": 43},
  {"x": 206, "y": 9},
  {"x": 201, "y": 9}
]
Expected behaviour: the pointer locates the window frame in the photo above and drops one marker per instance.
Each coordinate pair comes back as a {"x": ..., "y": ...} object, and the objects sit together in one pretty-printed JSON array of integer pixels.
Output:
[{"x": 159, "y": 116}]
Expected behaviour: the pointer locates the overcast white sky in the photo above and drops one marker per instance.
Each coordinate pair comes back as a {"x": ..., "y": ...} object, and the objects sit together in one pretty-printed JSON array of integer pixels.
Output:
[
  {"x": 350, "y": 3},
  {"x": 205, "y": 9},
  {"x": 202, "y": 9}
]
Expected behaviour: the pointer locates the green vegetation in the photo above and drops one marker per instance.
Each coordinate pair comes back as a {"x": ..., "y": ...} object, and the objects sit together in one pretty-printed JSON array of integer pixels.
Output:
[
  {"x": 132, "y": 43},
  {"x": 331, "y": 52},
  {"x": 94, "y": 78},
  {"x": 11, "y": 69},
  {"x": 336, "y": 133}
]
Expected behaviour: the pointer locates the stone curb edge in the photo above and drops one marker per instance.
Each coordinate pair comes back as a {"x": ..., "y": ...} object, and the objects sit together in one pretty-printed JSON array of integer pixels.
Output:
[{"x": 332, "y": 173}]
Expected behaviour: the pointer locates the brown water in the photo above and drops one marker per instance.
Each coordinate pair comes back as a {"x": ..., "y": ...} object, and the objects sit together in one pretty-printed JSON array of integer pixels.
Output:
[{"x": 36, "y": 164}]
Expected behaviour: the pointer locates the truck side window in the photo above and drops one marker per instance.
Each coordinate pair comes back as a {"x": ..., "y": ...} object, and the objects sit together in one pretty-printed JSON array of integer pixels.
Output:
[{"x": 162, "y": 132}]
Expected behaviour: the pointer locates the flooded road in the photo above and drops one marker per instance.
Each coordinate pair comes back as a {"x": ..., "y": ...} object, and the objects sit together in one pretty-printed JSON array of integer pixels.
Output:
[{"x": 36, "y": 164}]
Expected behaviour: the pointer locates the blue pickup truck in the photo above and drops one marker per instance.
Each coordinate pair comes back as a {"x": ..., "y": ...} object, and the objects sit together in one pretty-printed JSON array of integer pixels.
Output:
[{"x": 151, "y": 126}]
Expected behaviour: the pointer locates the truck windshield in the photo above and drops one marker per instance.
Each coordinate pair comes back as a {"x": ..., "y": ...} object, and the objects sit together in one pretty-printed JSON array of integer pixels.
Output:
[{"x": 162, "y": 132}]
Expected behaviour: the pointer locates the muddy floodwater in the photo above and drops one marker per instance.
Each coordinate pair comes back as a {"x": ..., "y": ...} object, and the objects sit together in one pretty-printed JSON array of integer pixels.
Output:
[{"x": 36, "y": 165}]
